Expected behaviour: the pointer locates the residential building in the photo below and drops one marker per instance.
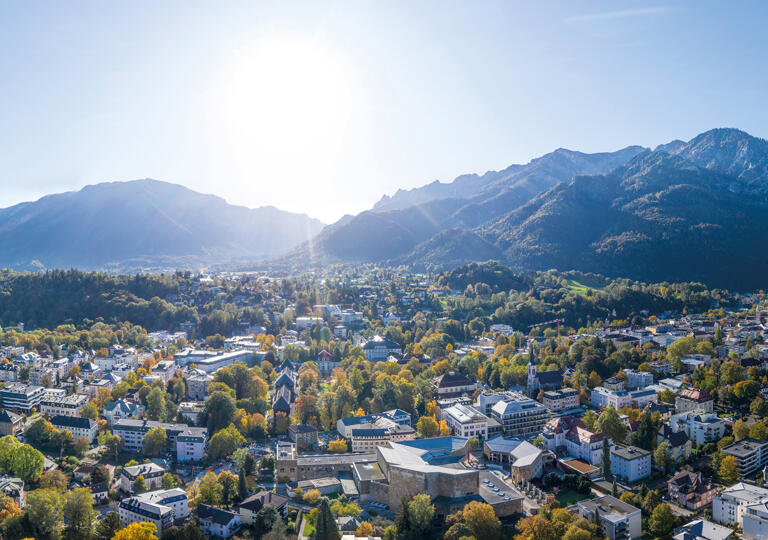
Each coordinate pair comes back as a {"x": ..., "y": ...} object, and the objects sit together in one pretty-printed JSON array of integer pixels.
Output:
[
  {"x": 326, "y": 363},
  {"x": 286, "y": 462},
  {"x": 10, "y": 423},
  {"x": 691, "y": 490},
  {"x": 249, "y": 507},
  {"x": 614, "y": 383},
  {"x": 305, "y": 436},
  {"x": 521, "y": 417},
  {"x": 604, "y": 398},
  {"x": 378, "y": 349},
  {"x": 524, "y": 460},
  {"x": 70, "y": 405},
  {"x": 191, "y": 446},
  {"x": 77, "y": 425},
  {"x": 9, "y": 373},
  {"x": 729, "y": 505},
  {"x": 560, "y": 400},
  {"x": 701, "y": 428},
  {"x": 119, "y": 410},
  {"x": 162, "y": 508},
  {"x": 466, "y": 421},
  {"x": 218, "y": 523},
  {"x": 618, "y": 520},
  {"x": 192, "y": 411},
  {"x": 453, "y": 384},
  {"x": 152, "y": 473},
  {"x": 197, "y": 386},
  {"x": 398, "y": 416},
  {"x": 694, "y": 399},
  {"x": 638, "y": 379},
  {"x": 678, "y": 441},
  {"x": 701, "y": 529},
  {"x": 568, "y": 435},
  {"x": 751, "y": 454},
  {"x": 13, "y": 487},
  {"x": 213, "y": 363},
  {"x": 22, "y": 397},
  {"x": 630, "y": 463}
]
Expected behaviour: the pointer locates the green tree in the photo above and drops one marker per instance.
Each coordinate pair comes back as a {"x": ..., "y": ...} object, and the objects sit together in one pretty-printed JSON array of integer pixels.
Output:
[
  {"x": 325, "y": 524},
  {"x": 606, "y": 458},
  {"x": 610, "y": 423},
  {"x": 155, "y": 404},
  {"x": 168, "y": 481},
  {"x": 108, "y": 526},
  {"x": 155, "y": 441},
  {"x": 661, "y": 457},
  {"x": 242, "y": 484},
  {"x": 81, "y": 446},
  {"x": 139, "y": 484},
  {"x": 645, "y": 436},
  {"x": 662, "y": 520},
  {"x": 27, "y": 463},
  {"x": 421, "y": 513},
  {"x": 210, "y": 489},
  {"x": 45, "y": 513},
  {"x": 91, "y": 410},
  {"x": 79, "y": 514},
  {"x": 114, "y": 444},
  {"x": 228, "y": 483},
  {"x": 225, "y": 442},
  {"x": 219, "y": 410}
]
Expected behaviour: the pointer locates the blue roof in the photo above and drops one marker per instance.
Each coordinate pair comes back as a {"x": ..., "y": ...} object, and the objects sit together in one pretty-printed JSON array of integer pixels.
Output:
[{"x": 446, "y": 444}]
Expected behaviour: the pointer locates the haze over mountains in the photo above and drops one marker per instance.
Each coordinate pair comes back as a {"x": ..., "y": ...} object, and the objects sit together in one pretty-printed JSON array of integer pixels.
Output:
[
  {"x": 691, "y": 210},
  {"x": 694, "y": 210},
  {"x": 143, "y": 224}
]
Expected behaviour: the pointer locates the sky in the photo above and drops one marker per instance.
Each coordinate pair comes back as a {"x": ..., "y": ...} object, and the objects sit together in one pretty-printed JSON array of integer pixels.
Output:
[{"x": 323, "y": 107}]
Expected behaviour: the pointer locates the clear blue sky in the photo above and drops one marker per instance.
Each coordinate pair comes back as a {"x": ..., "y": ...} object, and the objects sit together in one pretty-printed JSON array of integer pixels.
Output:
[{"x": 322, "y": 107}]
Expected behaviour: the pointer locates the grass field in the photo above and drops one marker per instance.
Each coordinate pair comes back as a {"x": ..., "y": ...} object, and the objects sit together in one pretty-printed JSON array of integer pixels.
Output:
[
  {"x": 568, "y": 497},
  {"x": 582, "y": 288}
]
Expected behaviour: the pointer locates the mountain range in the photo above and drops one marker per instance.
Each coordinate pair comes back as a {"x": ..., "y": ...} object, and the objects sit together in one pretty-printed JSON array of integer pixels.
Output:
[
  {"x": 143, "y": 224},
  {"x": 682, "y": 211}
]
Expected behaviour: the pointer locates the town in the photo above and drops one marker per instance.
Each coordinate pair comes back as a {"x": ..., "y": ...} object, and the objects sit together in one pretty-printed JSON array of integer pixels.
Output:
[{"x": 413, "y": 406}]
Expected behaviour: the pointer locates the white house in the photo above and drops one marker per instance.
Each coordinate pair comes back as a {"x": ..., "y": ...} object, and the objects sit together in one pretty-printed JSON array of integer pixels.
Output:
[{"x": 630, "y": 463}]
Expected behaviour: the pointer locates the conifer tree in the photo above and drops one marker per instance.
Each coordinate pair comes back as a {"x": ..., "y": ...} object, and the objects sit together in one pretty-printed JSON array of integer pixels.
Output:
[{"x": 325, "y": 526}]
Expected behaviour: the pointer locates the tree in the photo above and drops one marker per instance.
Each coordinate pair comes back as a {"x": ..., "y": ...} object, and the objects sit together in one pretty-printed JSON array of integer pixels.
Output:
[
  {"x": 481, "y": 518},
  {"x": 662, "y": 520},
  {"x": 55, "y": 480},
  {"x": 266, "y": 518},
  {"x": 661, "y": 457},
  {"x": 189, "y": 532},
  {"x": 590, "y": 420},
  {"x": 90, "y": 411},
  {"x": 108, "y": 526},
  {"x": 27, "y": 463},
  {"x": 606, "y": 463},
  {"x": 114, "y": 444},
  {"x": 79, "y": 514},
  {"x": 421, "y": 513},
  {"x": 729, "y": 470},
  {"x": 139, "y": 484},
  {"x": 645, "y": 436},
  {"x": 81, "y": 446},
  {"x": 339, "y": 446},
  {"x": 427, "y": 427},
  {"x": 228, "y": 482},
  {"x": 8, "y": 445},
  {"x": 168, "y": 481},
  {"x": 365, "y": 529},
  {"x": 610, "y": 423},
  {"x": 210, "y": 489},
  {"x": 44, "y": 510},
  {"x": 137, "y": 531},
  {"x": 155, "y": 441},
  {"x": 225, "y": 442},
  {"x": 219, "y": 409},
  {"x": 312, "y": 497},
  {"x": 155, "y": 404},
  {"x": 62, "y": 439},
  {"x": 325, "y": 524},
  {"x": 242, "y": 484}
]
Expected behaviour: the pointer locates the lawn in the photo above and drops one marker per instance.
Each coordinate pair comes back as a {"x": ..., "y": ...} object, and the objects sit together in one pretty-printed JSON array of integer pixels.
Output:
[
  {"x": 582, "y": 288},
  {"x": 568, "y": 497}
]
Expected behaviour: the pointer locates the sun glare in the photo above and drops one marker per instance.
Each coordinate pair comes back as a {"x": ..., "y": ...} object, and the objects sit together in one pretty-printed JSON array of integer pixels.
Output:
[{"x": 281, "y": 103}]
